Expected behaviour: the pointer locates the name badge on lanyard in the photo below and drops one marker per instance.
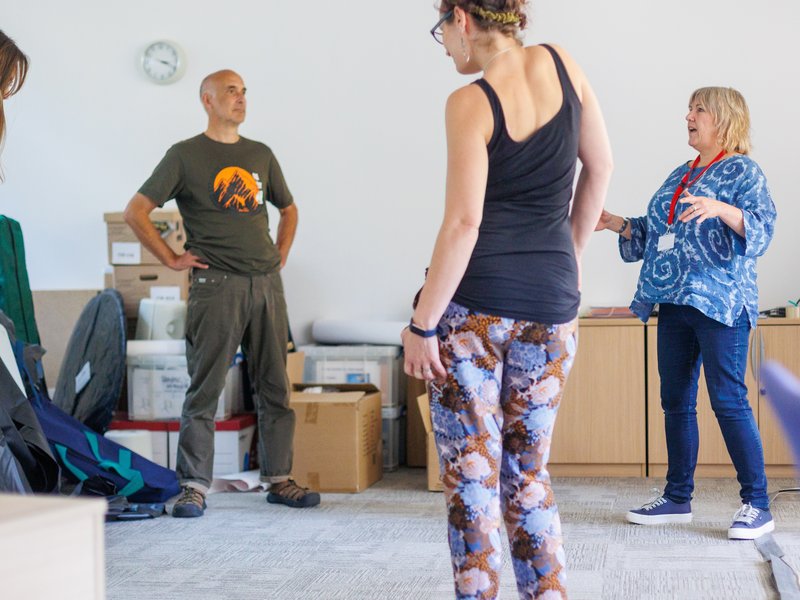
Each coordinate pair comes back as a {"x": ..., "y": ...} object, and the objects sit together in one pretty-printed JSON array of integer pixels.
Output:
[{"x": 667, "y": 241}]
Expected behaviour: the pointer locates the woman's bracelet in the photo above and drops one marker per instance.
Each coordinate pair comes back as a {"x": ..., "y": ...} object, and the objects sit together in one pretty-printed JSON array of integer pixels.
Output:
[
  {"x": 426, "y": 333},
  {"x": 625, "y": 221}
]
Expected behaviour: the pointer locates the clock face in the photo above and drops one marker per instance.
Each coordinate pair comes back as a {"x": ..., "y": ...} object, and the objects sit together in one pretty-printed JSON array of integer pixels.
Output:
[{"x": 163, "y": 62}]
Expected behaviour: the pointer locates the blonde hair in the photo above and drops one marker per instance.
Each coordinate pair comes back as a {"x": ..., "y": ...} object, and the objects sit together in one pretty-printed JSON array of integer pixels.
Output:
[
  {"x": 731, "y": 116},
  {"x": 506, "y": 16}
]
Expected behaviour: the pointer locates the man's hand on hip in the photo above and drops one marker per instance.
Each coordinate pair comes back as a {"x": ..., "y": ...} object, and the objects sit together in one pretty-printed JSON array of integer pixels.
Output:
[{"x": 187, "y": 260}]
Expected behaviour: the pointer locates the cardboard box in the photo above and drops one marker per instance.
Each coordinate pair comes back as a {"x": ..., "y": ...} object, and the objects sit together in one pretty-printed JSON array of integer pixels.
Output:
[
  {"x": 434, "y": 474},
  {"x": 337, "y": 439},
  {"x": 416, "y": 454},
  {"x": 295, "y": 362},
  {"x": 149, "y": 281},
  {"x": 124, "y": 247}
]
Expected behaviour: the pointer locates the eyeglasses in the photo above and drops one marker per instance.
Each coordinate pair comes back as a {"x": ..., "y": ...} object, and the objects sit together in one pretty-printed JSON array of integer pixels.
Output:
[{"x": 437, "y": 32}]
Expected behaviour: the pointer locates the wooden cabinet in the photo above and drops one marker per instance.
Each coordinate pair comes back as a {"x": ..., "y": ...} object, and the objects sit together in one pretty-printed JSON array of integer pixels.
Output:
[
  {"x": 600, "y": 429},
  {"x": 610, "y": 422},
  {"x": 779, "y": 340},
  {"x": 776, "y": 339}
]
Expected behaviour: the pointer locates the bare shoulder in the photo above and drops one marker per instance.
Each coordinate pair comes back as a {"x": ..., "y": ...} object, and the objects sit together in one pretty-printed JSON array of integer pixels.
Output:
[
  {"x": 574, "y": 70},
  {"x": 468, "y": 108},
  {"x": 468, "y": 97}
]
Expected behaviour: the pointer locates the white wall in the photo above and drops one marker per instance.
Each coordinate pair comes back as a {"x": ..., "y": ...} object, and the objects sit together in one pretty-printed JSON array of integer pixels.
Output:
[{"x": 350, "y": 96}]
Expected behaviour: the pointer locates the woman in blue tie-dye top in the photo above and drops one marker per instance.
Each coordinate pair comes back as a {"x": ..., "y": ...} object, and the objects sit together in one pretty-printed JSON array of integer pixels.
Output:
[{"x": 699, "y": 242}]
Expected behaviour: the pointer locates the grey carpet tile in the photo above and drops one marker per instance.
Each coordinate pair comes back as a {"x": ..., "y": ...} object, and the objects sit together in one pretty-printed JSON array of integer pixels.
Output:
[{"x": 389, "y": 542}]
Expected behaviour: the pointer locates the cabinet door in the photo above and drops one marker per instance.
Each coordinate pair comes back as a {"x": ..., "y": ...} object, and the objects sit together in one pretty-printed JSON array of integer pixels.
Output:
[
  {"x": 780, "y": 343},
  {"x": 712, "y": 449},
  {"x": 601, "y": 417}
]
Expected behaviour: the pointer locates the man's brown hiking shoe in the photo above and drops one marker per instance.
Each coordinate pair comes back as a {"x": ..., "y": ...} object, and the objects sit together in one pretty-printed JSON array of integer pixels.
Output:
[
  {"x": 192, "y": 503},
  {"x": 289, "y": 493}
]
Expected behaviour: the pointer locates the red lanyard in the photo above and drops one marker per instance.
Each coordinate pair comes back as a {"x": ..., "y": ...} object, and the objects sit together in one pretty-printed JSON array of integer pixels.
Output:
[{"x": 685, "y": 184}]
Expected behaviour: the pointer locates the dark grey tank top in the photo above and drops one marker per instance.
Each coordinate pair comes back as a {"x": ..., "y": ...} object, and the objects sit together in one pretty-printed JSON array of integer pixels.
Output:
[{"x": 523, "y": 266}]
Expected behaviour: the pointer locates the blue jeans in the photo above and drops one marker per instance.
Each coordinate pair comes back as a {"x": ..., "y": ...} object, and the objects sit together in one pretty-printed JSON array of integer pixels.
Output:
[{"x": 687, "y": 338}]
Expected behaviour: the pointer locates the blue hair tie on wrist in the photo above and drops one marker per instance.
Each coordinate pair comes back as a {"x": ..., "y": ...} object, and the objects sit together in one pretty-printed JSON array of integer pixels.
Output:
[{"x": 426, "y": 333}]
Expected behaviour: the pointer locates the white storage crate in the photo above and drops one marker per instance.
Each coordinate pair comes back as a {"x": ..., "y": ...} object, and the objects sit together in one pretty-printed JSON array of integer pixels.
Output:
[
  {"x": 381, "y": 366},
  {"x": 158, "y": 379},
  {"x": 233, "y": 439},
  {"x": 394, "y": 437}
]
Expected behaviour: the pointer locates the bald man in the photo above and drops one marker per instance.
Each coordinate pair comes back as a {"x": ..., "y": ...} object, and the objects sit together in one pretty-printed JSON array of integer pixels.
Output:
[{"x": 220, "y": 181}]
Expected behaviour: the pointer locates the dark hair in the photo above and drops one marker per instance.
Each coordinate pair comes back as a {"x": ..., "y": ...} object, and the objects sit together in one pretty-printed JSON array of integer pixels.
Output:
[
  {"x": 506, "y": 16},
  {"x": 13, "y": 69}
]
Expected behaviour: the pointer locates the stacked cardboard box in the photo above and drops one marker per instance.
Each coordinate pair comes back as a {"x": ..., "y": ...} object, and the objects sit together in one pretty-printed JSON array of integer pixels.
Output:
[
  {"x": 137, "y": 273},
  {"x": 337, "y": 439},
  {"x": 434, "y": 473}
]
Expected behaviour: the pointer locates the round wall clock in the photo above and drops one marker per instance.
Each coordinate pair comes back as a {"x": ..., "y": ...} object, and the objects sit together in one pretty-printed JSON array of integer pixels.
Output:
[{"x": 163, "y": 62}]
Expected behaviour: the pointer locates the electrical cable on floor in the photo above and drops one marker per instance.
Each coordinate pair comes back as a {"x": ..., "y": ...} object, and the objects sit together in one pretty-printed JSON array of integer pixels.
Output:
[{"x": 795, "y": 490}]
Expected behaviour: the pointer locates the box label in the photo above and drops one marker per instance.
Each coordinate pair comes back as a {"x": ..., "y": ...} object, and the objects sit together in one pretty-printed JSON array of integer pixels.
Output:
[
  {"x": 348, "y": 371},
  {"x": 165, "y": 292},
  {"x": 126, "y": 253},
  {"x": 357, "y": 378}
]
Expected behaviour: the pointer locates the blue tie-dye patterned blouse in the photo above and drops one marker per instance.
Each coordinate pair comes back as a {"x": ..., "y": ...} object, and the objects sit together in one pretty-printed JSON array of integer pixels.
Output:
[{"x": 710, "y": 267}]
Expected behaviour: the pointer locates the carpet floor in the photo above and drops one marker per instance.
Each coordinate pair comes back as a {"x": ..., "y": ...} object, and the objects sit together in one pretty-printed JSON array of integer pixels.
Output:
[{"x": 389, "y": 543}]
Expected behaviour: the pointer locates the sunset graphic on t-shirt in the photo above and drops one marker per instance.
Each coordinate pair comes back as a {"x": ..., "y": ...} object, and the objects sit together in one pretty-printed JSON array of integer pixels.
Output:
[{"x": 236, "y": 189}]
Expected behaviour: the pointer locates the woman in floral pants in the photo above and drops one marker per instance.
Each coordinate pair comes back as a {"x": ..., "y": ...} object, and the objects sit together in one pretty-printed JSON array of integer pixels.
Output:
[
  {"x": 494, "y": 330},
  {"x": 493, "y": 420}
]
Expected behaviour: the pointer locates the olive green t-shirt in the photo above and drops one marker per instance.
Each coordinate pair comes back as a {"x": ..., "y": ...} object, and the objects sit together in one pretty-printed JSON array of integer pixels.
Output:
[{"x": 220, "y": 190}]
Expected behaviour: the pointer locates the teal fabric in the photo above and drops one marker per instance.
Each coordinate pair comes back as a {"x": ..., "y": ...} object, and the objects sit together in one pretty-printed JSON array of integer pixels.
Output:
[
  {"x": 62, "y": 454},
  {"x": 123, "y": 467}
]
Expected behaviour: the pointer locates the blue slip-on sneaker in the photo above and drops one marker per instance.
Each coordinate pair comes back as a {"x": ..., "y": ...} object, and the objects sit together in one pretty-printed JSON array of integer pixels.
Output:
[
  {"x": 192, "y": 503},
  {"x": 661, "y": 511},
  {"x": 750, "y": 522}
]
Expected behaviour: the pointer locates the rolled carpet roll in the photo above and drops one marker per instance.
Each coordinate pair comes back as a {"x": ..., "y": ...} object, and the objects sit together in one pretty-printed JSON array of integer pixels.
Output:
[{"x": 344, "y": 331}]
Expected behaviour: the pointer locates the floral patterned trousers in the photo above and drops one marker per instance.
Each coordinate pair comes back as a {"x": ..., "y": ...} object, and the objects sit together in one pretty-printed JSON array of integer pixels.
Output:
[{"x": 493, "y": 421}]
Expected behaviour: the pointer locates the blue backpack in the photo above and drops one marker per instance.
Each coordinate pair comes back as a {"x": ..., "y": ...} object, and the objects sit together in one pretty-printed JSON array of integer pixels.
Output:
[{"x": 84, "y": 454}]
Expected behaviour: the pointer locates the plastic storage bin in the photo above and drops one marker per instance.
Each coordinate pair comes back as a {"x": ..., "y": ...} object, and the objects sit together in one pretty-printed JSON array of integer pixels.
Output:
[
  {"x": 378, "y": 365},
  {"x": 158, "y": 379},
  {"x": 233, "y": 439},
  {"x": 394, "y": 437}
]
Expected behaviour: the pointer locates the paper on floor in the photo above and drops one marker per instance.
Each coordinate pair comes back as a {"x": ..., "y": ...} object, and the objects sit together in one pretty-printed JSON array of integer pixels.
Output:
[{"x": 246, "y": 481}]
